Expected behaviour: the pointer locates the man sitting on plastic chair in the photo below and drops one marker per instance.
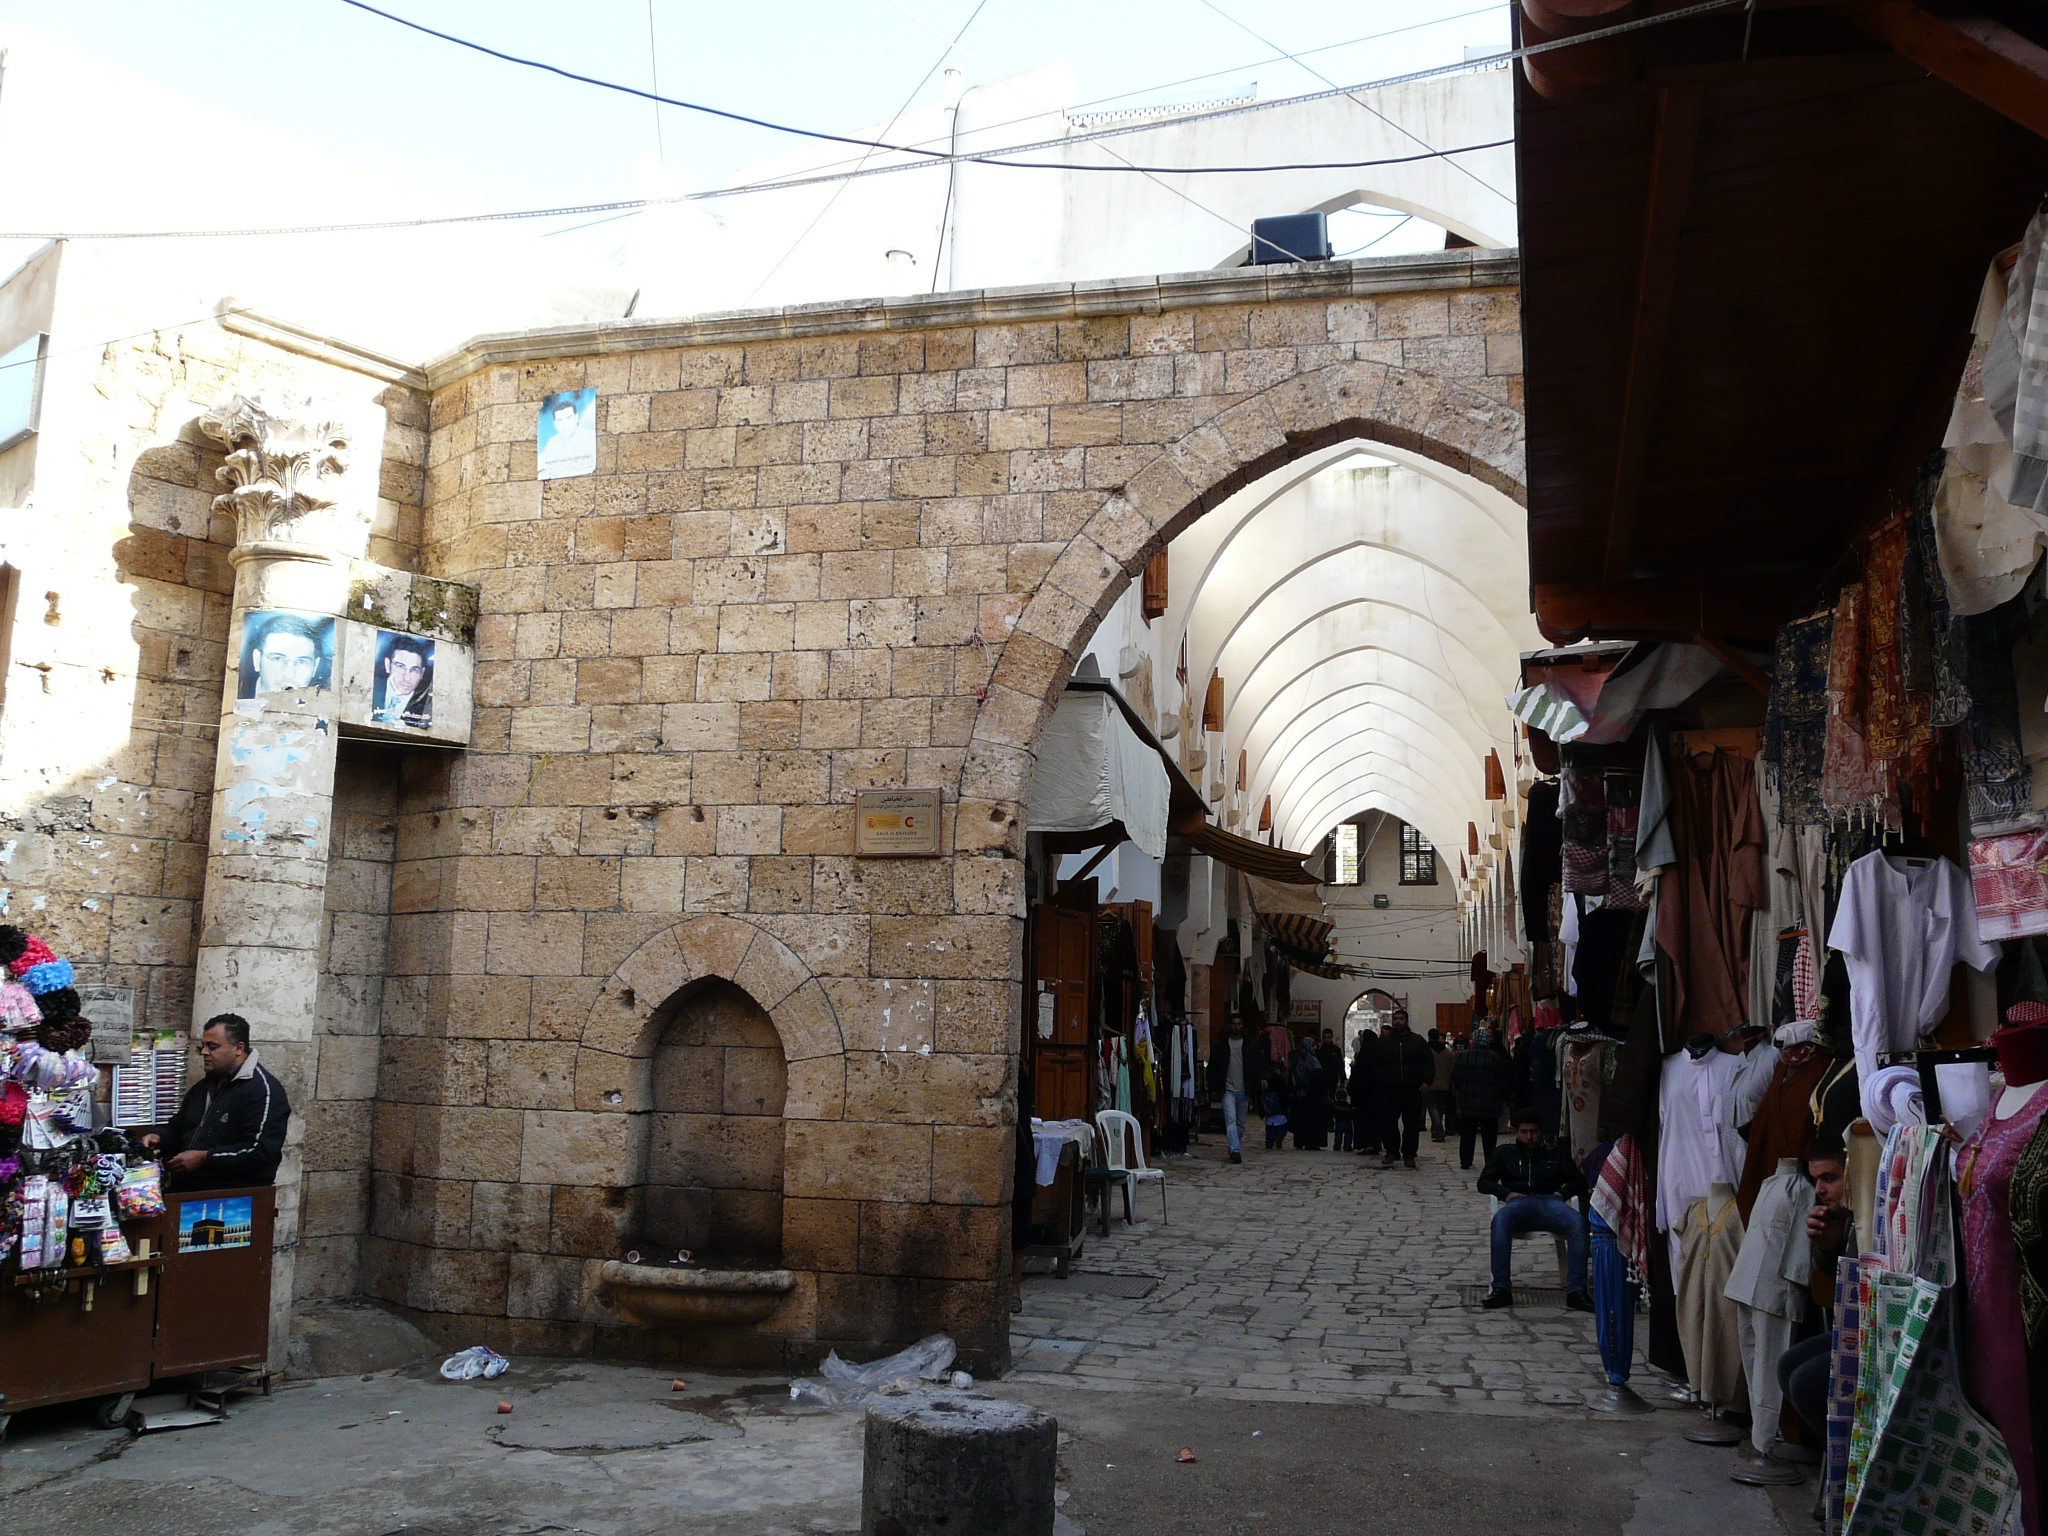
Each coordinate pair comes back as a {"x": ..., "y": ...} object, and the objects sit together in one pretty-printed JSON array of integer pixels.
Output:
[{"x": 1535, "y": 1182}]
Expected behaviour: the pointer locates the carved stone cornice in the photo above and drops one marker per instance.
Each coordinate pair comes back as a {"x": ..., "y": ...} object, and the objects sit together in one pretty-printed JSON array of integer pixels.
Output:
[{"x": 286, "y": 454}]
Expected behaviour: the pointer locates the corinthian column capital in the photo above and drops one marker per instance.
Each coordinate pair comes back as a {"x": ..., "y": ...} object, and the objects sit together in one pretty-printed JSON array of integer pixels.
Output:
[{"x": 286, "y": 456}]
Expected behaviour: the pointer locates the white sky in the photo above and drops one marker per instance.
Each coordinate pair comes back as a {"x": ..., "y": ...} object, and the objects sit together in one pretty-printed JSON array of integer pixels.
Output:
[{"x": 482, "y": 134}]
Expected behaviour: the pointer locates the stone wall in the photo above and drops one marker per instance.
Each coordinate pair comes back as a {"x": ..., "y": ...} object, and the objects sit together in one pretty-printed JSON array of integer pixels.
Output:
[
  {"x": 825, "y": 550},
  {"x": 354, "y": 958}
]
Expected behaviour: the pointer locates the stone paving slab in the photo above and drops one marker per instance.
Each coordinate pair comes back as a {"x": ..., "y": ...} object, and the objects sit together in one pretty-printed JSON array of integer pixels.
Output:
[{"x": 1313, "y": 1277}]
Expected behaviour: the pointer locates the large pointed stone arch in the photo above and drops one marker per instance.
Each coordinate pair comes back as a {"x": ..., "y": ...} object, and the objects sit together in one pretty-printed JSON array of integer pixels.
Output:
[{"x": 1442, "y": 419}]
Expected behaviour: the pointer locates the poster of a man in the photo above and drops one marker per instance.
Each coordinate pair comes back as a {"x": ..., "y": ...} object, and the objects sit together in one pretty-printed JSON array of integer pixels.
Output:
[
  {"x": 403, "y": 690},
  {"x": 283, "y": 652},
  {"x": 567, "y": 435}
]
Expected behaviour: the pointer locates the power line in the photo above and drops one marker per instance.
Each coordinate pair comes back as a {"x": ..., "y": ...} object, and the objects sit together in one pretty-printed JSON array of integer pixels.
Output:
[
  {"x": 1367, "y": 106},
  {"x": 654, "y": 80},
  {"x": 1081, "y": 108},
  {"x": 945, "y": 54},
  {"x": 1176, "y": 191},
  {"x": 628, "y": 206},
  {"x": 929, "y": 158},
  {"x": 629, "y": 90}
]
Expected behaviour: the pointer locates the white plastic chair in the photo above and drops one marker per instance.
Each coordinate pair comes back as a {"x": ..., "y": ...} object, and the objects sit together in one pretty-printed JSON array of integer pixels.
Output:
[
  {"x": 1564, "y": 1268},
  {"x": 1112, "y": 1124}
]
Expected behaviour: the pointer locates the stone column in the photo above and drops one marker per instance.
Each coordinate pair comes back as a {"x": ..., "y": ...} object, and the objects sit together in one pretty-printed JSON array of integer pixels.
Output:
[{"x": 266, "y": 865}]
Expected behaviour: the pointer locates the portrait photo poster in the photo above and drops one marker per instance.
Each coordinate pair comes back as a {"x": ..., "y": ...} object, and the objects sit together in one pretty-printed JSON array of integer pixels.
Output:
[
  {"x": 402, "y": 684},
  {"x": 566, "y": 435},
  {"x": 283, "y": 652}
]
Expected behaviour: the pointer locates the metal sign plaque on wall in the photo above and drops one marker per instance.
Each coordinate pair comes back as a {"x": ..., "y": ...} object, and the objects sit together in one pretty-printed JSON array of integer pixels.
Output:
[{"x": 896, "y": 824}]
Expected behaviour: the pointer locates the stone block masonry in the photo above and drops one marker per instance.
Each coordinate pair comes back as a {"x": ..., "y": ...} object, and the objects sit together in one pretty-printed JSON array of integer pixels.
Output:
[{"x": 825, "y": 550}]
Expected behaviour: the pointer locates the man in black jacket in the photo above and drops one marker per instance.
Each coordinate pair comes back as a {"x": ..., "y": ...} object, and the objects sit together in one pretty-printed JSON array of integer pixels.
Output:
[
  {"x": 1535, "y": 1182},
  {"x": 1407, "y": 1067},
  {"x": 229, "y": 1132}
]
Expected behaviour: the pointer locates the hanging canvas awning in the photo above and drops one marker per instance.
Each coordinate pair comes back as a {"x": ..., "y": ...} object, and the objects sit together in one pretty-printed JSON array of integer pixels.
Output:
[
  {"x": 1253, "y": 858},
  {"x": 1095, "y": 776},
  {"x": 1308, "y": 934}
]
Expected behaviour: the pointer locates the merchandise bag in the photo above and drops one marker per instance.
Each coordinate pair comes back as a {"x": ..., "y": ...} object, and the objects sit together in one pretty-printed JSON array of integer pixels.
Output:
[
  {"x": 141, "y": 1192},
  {"x": 1935, "y": 1466}
]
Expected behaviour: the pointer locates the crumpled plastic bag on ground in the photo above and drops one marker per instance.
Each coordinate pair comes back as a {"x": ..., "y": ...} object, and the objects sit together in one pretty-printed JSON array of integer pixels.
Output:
[
  {"x": 475, "y": 1361},
  {"x": 850, "y": 1386}
]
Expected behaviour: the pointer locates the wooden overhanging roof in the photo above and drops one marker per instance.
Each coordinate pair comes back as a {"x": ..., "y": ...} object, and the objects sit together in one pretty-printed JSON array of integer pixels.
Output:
[{"x": 1747, "y": 289}]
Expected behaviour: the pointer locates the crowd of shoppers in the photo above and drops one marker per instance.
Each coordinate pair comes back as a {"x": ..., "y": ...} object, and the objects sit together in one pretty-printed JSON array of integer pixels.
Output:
[{"x": 1396, "y": 1085}]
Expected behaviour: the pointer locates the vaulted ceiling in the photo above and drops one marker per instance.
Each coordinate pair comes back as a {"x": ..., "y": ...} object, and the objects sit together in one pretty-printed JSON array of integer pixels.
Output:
[{"x": 1366, "y": 609}]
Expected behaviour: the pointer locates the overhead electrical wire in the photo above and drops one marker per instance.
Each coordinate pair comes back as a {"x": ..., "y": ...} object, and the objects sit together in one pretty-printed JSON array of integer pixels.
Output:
[
  {"x": 927, "y": 158},
  {"x": 1366, "y": 106},
  {"x": 1084, "y": 108},
  {"x": 1192, "y": 202},
  {"x": 819, "y": 218}
]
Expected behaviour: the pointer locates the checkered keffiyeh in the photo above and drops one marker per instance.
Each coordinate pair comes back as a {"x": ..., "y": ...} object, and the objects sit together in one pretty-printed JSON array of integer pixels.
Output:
[
  {"x": 2016, "y": 371},
  {"x": 1621, "y": 1200}
]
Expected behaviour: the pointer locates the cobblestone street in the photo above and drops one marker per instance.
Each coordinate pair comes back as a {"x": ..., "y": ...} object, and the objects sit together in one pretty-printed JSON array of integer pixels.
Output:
[{"x": 1311, "y": 1277}]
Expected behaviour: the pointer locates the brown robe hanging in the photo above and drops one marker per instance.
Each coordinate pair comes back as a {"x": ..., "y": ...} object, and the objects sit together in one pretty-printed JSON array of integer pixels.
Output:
[
  {"x": 1704, "y": 903},
  {"x": 1781, "y": 1127}
]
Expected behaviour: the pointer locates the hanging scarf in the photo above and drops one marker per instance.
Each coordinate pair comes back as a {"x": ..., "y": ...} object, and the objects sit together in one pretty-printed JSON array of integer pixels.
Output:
[
  {"x": 1898, "y": 725},
  {"x": 1996, "y": 777},
  {"x": 1796, "y": 721},
  {"x": 1948, "y": 645},
  {"x": 1621, "y": 1200},
  {"x": 1851, "y": 786}
]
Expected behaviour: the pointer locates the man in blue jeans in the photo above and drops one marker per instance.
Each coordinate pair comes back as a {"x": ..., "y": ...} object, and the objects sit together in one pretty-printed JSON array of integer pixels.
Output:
[
  {"x": 1535, "y": 1182},
  {"x": 1234, "y": 1073}
]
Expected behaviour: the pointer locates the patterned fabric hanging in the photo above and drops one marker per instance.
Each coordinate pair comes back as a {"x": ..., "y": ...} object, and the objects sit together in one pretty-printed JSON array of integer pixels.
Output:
[{"x": 1795, "y": 724}]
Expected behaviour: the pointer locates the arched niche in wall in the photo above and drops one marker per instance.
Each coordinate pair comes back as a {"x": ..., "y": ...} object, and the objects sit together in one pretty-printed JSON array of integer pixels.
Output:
[{"x": 714, "y": 1170}]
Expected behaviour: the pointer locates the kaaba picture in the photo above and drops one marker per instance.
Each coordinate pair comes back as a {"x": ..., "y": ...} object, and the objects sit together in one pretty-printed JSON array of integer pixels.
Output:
[{"x": 216, "y": 1224}]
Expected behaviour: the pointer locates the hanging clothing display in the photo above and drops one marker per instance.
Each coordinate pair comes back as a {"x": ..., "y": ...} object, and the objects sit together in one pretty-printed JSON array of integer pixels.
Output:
[
  {"x": 1768, "y": 1287},
  {"x": 1987, "y": 545},
  {"x": 1542, "y": 863},
  {"x": 1709, "y": 1240},
  {"x": 1582, "y": 805},
  {"x": 1704, "y": 903},
  {"x": 2016, "y": 371},
  {"x": 1782, "y": 1126},
  {"x": 1996, "y": 1372},
  {"x": 1794, "y": 749},
  {"x": 1621, "y": 1199},
  {"x": 1698, "y": 1146},
  {"x": 1851, "y": 786},
  {"x": 1901, "y": 926},
  {"x": 1756, "y": 1067},
  {"x": 1582, "y": 1067}
]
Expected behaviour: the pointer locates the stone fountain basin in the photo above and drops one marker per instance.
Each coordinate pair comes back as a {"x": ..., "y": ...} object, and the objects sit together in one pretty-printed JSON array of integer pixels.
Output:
[{"x": 693, "y": 1298}]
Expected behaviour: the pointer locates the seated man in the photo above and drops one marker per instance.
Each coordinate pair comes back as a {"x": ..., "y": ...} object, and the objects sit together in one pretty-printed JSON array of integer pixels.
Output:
[
  {"x": 1535, "y": 1182},
  {"x": 1804, "y": 1368}
]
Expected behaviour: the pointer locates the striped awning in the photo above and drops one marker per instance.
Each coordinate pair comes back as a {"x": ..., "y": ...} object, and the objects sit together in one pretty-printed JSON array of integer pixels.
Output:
[
  {"x": 1310, "y": 935},
  {"x": 1253, "y": 858}
]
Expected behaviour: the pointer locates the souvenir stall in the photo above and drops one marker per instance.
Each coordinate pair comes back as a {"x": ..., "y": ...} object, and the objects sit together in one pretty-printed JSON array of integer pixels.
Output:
[
  {"x": 107, "y": 1284},
  {"x": 1799, "y": 901}
]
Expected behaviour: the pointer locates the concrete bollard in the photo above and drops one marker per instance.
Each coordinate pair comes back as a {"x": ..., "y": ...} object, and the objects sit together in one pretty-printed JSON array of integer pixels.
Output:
[{"x": 945, "y": 1464}]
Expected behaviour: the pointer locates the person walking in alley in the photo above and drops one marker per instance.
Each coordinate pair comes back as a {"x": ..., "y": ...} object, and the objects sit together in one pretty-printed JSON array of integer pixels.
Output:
[
  {"x": 1335, "y": 1108},
  {"x": 1407, "y": 1069},
  {"x": 1311, "y": 1093},
  {"x": 1233, "y": 1077},
  {"x": 1535, "y": 1182},
  {"x": 1364, "y": 1085},
  {"x": 1440, "y": 1109},
  {"x": 1479, "y": 1086}
]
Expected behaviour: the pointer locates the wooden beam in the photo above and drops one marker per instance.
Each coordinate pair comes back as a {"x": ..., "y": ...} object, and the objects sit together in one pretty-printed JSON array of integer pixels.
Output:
[
  {"x": 1978, "y": 56},
  {"x": 1671, "y": 162},
  {"x": 1737, "y": 607},
  {"x": 1734, "y": 661}
]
